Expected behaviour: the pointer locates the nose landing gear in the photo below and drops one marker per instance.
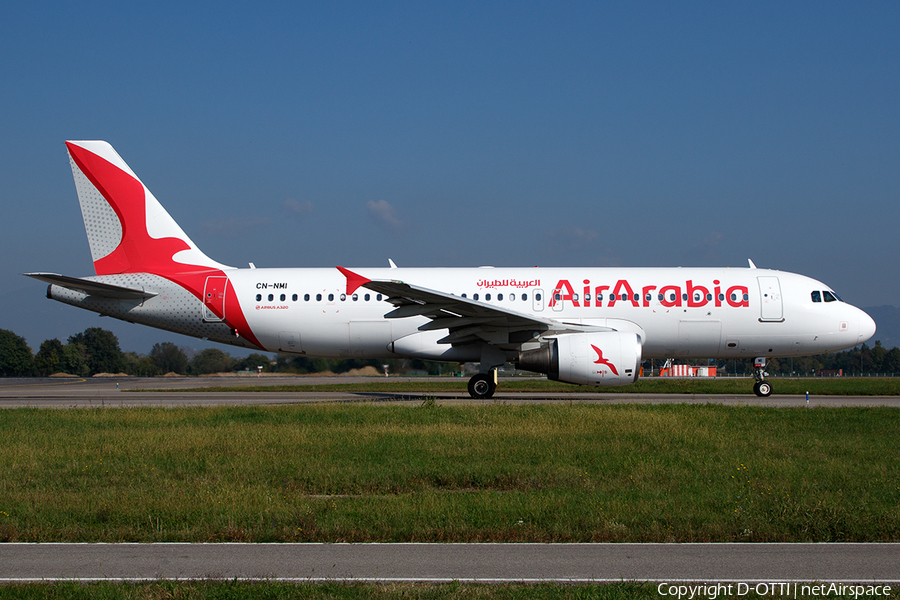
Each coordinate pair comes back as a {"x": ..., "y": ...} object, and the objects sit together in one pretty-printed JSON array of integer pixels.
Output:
[{"x": 761, "y": 388}]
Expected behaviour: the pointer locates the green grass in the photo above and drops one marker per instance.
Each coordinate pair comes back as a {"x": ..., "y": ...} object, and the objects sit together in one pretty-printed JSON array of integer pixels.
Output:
[
  {"x": 491, "y": 473},
  {"x": 239, "y": 590},
  {"x": 232, "y": 590},
  {"x": 834, "y": 386}
]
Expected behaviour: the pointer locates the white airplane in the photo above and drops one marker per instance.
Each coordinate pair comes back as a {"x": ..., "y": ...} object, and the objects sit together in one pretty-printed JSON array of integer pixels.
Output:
[{"x": 577, "y": 325}]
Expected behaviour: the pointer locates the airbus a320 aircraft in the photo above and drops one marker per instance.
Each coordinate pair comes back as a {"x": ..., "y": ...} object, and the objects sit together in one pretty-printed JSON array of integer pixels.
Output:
[{"x": 578, "y": 325}]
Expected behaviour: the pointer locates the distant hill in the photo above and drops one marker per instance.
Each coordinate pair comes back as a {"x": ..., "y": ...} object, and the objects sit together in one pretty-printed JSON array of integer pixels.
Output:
[{"x": 887, "y": 320}]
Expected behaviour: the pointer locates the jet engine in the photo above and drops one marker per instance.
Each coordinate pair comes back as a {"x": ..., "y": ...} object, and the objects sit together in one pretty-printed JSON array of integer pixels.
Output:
[{"x": 603, "y": 359}]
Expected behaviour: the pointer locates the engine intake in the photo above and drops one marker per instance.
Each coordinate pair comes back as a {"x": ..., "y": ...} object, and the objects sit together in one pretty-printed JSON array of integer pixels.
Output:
[{"x": 603, "y": 359}]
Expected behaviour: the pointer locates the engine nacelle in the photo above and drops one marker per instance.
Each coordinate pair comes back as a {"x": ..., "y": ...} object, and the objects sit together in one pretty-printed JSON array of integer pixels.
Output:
[{"x": 604, "y": 359}]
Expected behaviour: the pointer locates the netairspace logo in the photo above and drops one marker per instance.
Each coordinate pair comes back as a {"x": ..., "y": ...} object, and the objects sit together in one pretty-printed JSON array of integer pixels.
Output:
[{"x": 781, "y": 588}]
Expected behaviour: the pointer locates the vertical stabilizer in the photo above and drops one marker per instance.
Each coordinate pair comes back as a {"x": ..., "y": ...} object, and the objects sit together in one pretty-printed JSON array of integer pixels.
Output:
[{"x": 127, "y": 228}]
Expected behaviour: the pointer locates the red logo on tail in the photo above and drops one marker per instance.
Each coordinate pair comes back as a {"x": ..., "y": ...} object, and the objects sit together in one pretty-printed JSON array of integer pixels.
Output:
[{"x": 602, "y": 361}]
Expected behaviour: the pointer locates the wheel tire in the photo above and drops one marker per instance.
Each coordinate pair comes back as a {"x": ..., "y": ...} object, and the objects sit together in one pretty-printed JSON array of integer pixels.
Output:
[
  {"x": 482, "y": 386},
  {"x": 763, "y": 389}
]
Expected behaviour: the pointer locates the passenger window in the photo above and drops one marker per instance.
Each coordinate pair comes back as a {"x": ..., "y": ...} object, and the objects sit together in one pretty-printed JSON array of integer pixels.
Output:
[
  {"x": 258, "y": 297},
  {"x": 536, "y": 297},
  {"x": 525, "y": 297},
  {"x": 294, "y": 297},
  {"x": 575, "y": 297},
  {"x": 817, "y": 296},
  {"x": 734, "y": 297},
  {"x": 318, "y": 297},
  {"x": 306, "y": 297},
  {"x": 684, "y": 297},
  {"x": 283, "y": 298},
  {"x": 271, "y": 297},
  {"x": 624, "y": 296},
  {"x": 499, "y": 297},
  {"x": 355, "y": 297},
  {"x": 637, "y": 297},
  {"x": 343, "y": 297},
  {"x": 558, "y": 297},
  {"x": 378, "y": 297},
  {"x": 660, "y": 297},
  {"x": 721, "y": 297},
  {"x": 487, "y": 297},
  {"x": 331, "y": 297},
  {"x": 366, "y": 297},
  {"x": 708, "y": 297},
  {"x": 746, "y": 297},
  {"x": 587, "y": 297},
  {"x": 474, "y": 296},
  {"x": 829, "y": 297},
  {"x": 648, "y": 297},
  {"x": 464, "y": 296}
]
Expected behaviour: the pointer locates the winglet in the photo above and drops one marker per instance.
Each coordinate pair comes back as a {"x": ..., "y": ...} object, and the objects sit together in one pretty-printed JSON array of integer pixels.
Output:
[
  {"x": 752, "y": 266},
  {"x": 354, "y": 280}
]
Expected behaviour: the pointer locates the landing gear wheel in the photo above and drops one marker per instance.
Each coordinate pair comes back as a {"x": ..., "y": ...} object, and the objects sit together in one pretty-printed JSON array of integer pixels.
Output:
[
  {"x": 763, "y": 388},
  {"x": 482, "y": 386}
]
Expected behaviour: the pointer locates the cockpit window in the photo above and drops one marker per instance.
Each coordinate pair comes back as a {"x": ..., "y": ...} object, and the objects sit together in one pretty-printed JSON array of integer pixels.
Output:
[
  {"x": 817, "y": 296},
  {"x": 829, "y": 297}
]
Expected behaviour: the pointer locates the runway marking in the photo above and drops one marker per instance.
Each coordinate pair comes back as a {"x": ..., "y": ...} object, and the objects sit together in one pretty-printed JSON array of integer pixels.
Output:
[{"x": 67, "y": 381}]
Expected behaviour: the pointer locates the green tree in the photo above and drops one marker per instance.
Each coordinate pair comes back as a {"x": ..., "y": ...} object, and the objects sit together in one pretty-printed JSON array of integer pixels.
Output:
[
  {"x": 138, "y": 365},
  {"x": 102, "y": 348},
  {"x": 169, "y": 358},
  {"x": 253, "y": 361},
  {"x": 211, "y": 360},
  {"x": 74, "y": 360},
  {"x": 16, "y": 359},
  {"x": 49, "y": 358}
]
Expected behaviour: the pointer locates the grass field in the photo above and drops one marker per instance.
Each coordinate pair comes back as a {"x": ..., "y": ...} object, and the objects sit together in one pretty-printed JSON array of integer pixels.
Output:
[
  {"x": 373, "y": 472},
  {"x": 265, "y": 590},
  {"x": 237, "y": 590},
  {"x": 834, "y": 386}
]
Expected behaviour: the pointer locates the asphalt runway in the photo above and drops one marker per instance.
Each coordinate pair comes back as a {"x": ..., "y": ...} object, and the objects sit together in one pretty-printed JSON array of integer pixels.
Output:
[
  {"x": 668, "y": 564},
  {"x": 100, "y": 392}
]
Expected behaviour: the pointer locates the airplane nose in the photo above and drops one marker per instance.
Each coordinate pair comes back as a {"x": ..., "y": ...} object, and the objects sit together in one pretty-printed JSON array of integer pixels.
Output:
[{"x": 866, "y": 327}]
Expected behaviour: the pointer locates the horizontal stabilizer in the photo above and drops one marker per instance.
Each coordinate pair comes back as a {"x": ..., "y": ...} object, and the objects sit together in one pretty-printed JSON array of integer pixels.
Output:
[{"x": 91, "y": 288}]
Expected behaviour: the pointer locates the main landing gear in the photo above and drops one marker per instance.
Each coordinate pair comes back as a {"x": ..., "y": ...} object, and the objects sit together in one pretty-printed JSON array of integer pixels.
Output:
[
  {"x": 761, "y": 388},
  {"x": 482, "y": 385}
]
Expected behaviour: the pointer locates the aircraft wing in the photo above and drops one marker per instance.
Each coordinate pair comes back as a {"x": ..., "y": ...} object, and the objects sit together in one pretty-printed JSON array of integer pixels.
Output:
[
  {"x": 90, "y": 287},
  {"x": 467, "y": 320}
]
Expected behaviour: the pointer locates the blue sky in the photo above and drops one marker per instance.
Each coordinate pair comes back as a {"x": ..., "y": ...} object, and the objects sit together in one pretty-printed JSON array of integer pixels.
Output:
[{"x": 460, "y": 134}]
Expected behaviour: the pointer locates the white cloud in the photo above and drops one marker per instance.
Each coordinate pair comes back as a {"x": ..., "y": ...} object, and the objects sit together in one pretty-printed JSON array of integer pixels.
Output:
[
  {"x": 384, "y": 213},
  {"x": 295, "y": 207}
]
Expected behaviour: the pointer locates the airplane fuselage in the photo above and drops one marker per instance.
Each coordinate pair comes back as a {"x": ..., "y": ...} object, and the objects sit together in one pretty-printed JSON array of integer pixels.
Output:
[{"x": 678, "y": 312}]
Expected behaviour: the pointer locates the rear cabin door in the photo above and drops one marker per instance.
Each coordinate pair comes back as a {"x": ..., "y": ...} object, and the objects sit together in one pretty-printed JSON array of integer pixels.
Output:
[{"x": 214, "y": 299}]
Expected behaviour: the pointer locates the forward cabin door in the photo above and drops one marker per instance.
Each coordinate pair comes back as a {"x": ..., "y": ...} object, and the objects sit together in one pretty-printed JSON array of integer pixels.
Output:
[
  {"x": 214, "y": 299},
  {"x": 770, "y": 305}
]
